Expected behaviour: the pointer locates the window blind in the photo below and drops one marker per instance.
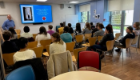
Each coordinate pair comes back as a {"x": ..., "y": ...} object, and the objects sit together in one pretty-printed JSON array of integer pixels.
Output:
[{"x": 84, "y": 8}]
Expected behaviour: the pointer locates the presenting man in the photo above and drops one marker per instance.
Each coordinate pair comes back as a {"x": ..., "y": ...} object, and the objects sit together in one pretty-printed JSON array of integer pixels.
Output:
[{"x": 8, "y": 23}]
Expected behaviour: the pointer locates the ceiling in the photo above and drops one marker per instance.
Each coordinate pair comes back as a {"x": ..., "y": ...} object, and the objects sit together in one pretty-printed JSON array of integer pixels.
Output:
[{"x": 49, "y": 1}]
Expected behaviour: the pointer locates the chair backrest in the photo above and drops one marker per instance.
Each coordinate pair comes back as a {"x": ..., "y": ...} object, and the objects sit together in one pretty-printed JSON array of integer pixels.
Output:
[
  {"x": 110, "y": 45},
  {"x": 79, "y": 38},
  {"x": 92, "y": 41},
  {"x": 89, "y": 58},
  {"x": 44, "y": 43},
  {"x": 72, "y": 34},
  {"x": 18, "y": 31},
  {"x": 76, "y": 51},
  {"x": 34, "y": 36},
  {"x": 23, "y": 73},
  {"x": 100, "y": 38},
  {"x": 38, "y": 51},
  {"x": 18, "y": 36},
  {"x": 128, "y": 42},
  {"x": 135, "y": 40},
  {"x": 8, "y": 57},
  {"x": 87, "y": 36},
  {"x": 32, "y": 44},
  {"x": 48, "y": 49},
  {"x": 117, "y": 35},
  {"x": 70, "y": 46}
]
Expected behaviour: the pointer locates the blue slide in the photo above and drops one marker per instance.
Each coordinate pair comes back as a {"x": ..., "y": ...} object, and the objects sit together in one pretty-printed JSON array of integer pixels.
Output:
[{"x": 36, "y": 13}]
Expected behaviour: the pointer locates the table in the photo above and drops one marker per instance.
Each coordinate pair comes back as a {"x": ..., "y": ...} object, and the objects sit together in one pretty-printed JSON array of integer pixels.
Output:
[{"x": 84, "y": 75}]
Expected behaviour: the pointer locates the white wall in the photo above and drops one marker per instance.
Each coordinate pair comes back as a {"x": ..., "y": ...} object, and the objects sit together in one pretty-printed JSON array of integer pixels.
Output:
[{"x": 58, "y": 15}]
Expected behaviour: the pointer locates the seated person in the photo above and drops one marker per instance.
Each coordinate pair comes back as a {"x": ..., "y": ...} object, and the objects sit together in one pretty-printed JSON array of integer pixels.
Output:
[
  {"x": 92, "y": 26},
  {"x": 26, "y": 33},
  {"x": 24, "y": 52},
  {"x": 13, "y": 33},
  {"x": 66, "y": 37},
  {"x": 61, "y": 28},
  {"x": 8, "y": 46},
  {"x": 50, "y": 30},
  {"x": 78, "y": 30},
  {"x": 43, "y": 35},
  {"x": 100, "y": 31},
  {"x": 102, "y": 43},
  {"x": 129, "y": 34},
  {"x": 70, "y": 28},
  {"x": 87, "y": 30},
  {"x": 58, "y": 45},
  {"x": 95, "y": 29}
]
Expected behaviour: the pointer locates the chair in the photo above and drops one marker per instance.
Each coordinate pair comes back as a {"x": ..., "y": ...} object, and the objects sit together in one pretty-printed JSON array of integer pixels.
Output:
[
  {"x": 79, "y": 38},
  {"x": 23, "y": 73},
  {"x": 78, "y": 50},
  {"x": 8, "y": 57},
  {"x": 128, "y": 45},
  {"x": 72, "y": 34},
  {"x": 70, "y": 46},
  {"x": 89, "y": 58},
  {"x": 18, "y": 31},
  {"x": 44, "y": 43},
  {"x": 117, "y": 35},
  {"x": 32, "y": 44},
  {"x": 87, "y": 36},
  {"x": 92, "y": 42},
  {"x": 38, "y": 51},
  {"x": 18, "y": 36},
  {"x": 135, "y": 42},
  {"x": 34, "y": 36},
  {"x": 100, "y": 38},
  {"x": 48, "y": 51}
]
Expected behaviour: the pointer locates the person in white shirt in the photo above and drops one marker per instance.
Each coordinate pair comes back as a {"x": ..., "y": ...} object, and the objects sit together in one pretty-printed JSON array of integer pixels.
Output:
[
  {"x": 58, "y": 45},
  {"x": 24, "y": 53},
  {"x": 26, "y": 33},
  {"x": 43, "y": 35}
]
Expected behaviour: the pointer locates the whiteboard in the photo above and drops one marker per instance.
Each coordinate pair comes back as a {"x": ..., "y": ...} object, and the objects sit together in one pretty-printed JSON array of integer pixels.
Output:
[
  {"x": 2, "y": 19},
  {"x": 73, "y": 19}
]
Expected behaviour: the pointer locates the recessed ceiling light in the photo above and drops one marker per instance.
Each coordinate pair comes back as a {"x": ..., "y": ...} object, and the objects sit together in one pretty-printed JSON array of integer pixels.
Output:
[
  {"x": 74, "y": 2},
  {"x": 41, "y": 0}
]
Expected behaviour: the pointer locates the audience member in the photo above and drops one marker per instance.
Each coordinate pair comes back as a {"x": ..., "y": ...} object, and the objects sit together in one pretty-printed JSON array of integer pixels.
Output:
[
  {"x": 66, "y": 37},
  {"x": 109, "y": 25},
  {"x": 61, "y": 28},
  {"x": 92, "y": 26},
  {"x": 50, "y": 30},
  {"x": 8, "y": 46},
  {"x": 87, "y": 30},
  {"x": 26, "y": 33},
  {"x": 129, "y": 34},
  {"x": 100, "y": 32},
  {"x": 58, "y": 45},
  {"x": 78, "y": 30},
  {"x": 13, "y": 33},
  {"x": 95, "y": 29},
  {"x": 24, "y": 52},
  {"x": 70, "y": 28},
  {"x": 43, "y": 35},
  {"x": 102, "y": 44}
]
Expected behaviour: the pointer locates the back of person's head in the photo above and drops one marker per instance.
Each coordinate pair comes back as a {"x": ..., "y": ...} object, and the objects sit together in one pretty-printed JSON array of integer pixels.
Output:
[
  {"x": 22, "y": 42},
  {"x": 109, "y": 28},
  {"x": 137, "y": 25},
  {"x": 100, "y": 25},
  {"x": 129, "y": 29},
  {"x": 78, "y": 27},
  {"x": 69, "y": 24},
  {"x": 11, "y": 29},
  {"x": 6, "y": 35},
  {"x": 109, "y": 25},
  {"x": 91, "y": 23},
  {"x": 42, "y": 30},
  {"x": 97, "y": 24},
  {"x": 66, "y": 29},
  {"x": 56, "y": 38},
  {"x": 61, "y": 24},
  {"x": 26, "y": 29},
  {"x": 50, "y": 27},
  {"x": 88, "y": 26}
]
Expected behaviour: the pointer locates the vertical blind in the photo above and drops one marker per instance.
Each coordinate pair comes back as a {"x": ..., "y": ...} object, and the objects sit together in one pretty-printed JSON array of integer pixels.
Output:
[
  {"x": 118, "y": 5},
  {"x": 84, "y": 8}
]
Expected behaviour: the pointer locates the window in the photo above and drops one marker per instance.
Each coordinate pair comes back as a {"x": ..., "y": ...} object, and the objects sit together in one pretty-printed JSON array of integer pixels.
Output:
[{"x": 85, "y": 16}]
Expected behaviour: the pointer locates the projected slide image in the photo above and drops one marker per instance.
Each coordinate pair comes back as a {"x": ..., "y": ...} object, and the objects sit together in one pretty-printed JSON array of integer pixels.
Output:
[{"x": 27, "y": 11}]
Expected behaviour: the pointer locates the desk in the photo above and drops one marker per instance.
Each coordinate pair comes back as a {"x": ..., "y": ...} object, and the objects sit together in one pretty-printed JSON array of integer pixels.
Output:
[{"x": 84, "y": 75}]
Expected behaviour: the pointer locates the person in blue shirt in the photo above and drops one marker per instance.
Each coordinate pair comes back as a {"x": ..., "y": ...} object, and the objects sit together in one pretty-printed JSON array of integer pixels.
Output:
[
  {"x": 8, "y": 23},
  {"x": 66, "y": 36}
]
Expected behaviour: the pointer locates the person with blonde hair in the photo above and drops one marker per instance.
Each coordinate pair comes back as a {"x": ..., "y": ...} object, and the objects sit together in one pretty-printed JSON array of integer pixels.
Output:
[{"x": 87, "y": 30}]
